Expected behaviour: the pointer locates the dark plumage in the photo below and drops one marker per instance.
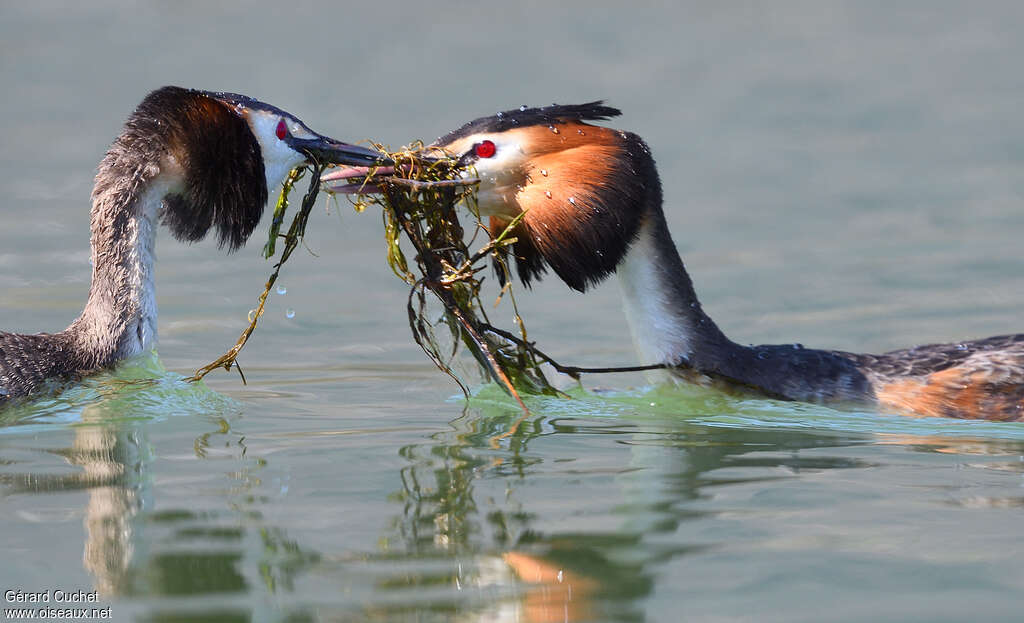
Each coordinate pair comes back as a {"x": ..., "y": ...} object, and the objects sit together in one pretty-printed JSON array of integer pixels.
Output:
[
  {"x": 28, "y": 361},
  {"x": 555, "y": 114},
  {"x": 220, "y": 157}
]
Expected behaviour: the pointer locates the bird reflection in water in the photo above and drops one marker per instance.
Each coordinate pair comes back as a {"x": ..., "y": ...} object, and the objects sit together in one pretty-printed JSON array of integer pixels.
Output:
[
  {"x": 112, "y": 461},
  {"x": 494, "y": 511},
  {"x": 113, "y": 466},
  {"x": 137, "y": 545}
]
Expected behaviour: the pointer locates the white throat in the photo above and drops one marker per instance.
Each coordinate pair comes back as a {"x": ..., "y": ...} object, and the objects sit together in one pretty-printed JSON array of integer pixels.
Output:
[
  {"x": 141, "y": 331},
  {"x": 659, "y": 319}
]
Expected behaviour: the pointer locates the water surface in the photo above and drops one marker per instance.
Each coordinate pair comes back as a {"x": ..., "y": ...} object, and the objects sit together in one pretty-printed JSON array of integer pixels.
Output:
[{"x": 840, "y": 175}]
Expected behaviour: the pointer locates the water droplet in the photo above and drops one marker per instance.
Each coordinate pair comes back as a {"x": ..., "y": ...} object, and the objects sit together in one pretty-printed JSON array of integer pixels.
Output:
[
  {"x": 694, "y": 304},
  {"x": 289, "y": 313},
  {"x": 798, "y": 346},
  {"x": 547, "y": 193},
  {"x": 961, "y": 346},
  {"x": 560, "y": 577},
  {"x": 544, "y": 172},
  {"x": 580, "y": 132},
  {"x": 522, "y": 108},
  {"x": 762, "y": 355},
  {"x": 553, "y": 129},
  {"x": 252, "y": 315},
  {"x": 500, "y": 115},
  {"x": 282, "y": 290},
  {"x": 572, "y": 200}
]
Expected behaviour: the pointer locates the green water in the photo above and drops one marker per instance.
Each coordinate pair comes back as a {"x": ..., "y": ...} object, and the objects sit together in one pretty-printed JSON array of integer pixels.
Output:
[{"x": 840, "y": 175}]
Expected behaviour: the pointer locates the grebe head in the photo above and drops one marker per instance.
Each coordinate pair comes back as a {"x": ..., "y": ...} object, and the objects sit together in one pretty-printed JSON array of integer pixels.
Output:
[
  {"x": 585, "y": 188},
  {"x": 219, "y": 154}
]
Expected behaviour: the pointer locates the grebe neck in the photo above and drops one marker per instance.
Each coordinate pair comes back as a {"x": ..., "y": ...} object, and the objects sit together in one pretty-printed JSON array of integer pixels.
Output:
[
  {"x": 120, "y": 316},
  {"x": 669, "y": 326},
  {"x": 665, "y": 317}
]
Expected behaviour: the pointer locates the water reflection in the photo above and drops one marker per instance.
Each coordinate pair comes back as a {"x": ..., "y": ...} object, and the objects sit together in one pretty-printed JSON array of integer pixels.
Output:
[
  {"x": 573, "y": 516},
  {"x": 494, "y": 512},
  {"x": 983, "y": 450},
  {"x": 113, "y": 463},
  {"x": 113, "y": 466},
  {"x": 133, "y": 549}
]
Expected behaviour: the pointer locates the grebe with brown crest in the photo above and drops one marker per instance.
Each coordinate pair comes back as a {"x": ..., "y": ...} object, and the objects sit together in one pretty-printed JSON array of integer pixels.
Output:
[
  {"x": 593, "y": 206},
  {"x": 195, "y": 161}
]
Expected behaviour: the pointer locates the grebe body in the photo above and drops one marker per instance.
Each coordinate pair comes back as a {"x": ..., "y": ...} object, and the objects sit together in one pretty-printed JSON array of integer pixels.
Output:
[
  {"x": 193, "y": 160},
  {"x": 593, "y": 206}
]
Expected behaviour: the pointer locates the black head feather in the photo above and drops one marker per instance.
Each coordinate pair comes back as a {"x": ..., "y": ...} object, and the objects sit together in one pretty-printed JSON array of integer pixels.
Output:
[
  {"x": 524, "y": 117},
  {"x": 225, "y": 186}
]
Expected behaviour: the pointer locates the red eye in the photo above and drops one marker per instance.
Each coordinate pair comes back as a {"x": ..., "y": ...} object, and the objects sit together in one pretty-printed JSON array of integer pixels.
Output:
[
  {"x": 282, "y": 130},
  {"x": 486, "y": 149}
]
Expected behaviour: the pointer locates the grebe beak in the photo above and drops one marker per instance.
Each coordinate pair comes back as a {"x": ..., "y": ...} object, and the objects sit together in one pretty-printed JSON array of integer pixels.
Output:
[
  {"x": 326, "y": 150},
  {"x": 352, "y": 180}
]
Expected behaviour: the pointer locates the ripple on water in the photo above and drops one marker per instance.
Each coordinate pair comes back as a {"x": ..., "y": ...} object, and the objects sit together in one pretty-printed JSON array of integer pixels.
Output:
[
  {"x": 666, "y": 405},
  {"x": 139, "y": 388}
]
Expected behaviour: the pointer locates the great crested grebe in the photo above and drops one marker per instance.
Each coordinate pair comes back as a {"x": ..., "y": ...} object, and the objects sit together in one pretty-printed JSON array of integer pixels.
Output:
[
  {"x": 195, "y": 161},
  {"x": 593, "y": 206}
]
